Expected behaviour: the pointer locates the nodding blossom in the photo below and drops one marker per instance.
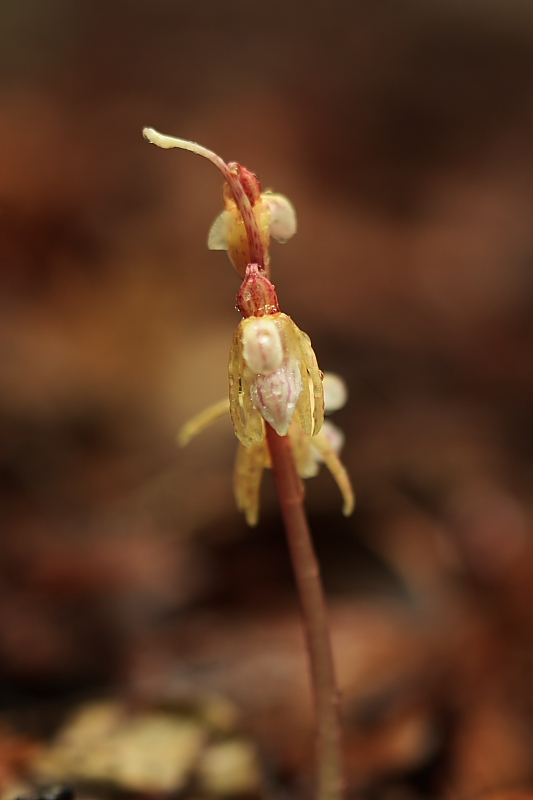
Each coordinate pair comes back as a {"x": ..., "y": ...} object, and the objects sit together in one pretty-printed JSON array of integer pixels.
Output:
[
  {"x": 309, "y": 452},
  {"x": 250, "y": 216},
  {"x": 273, "y": 371},
  {"x": 274, "y": 378},
  {"x": 274, "y": 214}
]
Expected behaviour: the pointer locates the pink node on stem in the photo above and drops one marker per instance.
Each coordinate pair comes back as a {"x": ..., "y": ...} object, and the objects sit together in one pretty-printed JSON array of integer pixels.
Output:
[{"x": 257, "y": 296}]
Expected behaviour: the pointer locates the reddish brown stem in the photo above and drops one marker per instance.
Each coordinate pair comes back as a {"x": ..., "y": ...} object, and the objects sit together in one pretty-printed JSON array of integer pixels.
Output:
[
  {"x": 257, "y": 253},
  {"x": 307, "y": 573}
]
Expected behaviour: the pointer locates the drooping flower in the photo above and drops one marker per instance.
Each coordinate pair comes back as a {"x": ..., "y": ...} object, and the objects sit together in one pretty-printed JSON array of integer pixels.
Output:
[
  {"x": 274, "y": 214},
  {"x": 309, "y": 452},
  {"x": 250, "y": 216},
  {"x": 290, "y": 383},
  {"x": 273, "y": 371},
  {"x": 274, "y": 378}
]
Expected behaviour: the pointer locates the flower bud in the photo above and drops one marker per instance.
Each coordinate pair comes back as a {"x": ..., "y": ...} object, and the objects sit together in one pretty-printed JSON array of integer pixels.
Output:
[
  {"x": 262, "y": 349},
  {"x": 257, "y": 296}
]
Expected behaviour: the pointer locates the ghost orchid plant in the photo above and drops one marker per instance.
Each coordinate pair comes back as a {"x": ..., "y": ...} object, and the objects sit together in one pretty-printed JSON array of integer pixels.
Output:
[{"x": 276, "y": 404}]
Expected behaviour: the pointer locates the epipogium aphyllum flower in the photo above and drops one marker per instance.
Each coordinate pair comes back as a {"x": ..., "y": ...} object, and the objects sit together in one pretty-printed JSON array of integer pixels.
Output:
[
  {"x": 276, "y": 404},
  {"x": 274, "y": 378},
  {"x": 250, "y": 216},
  {"x": 308, "y": 451},
  {"x": 273, "y": 372}
]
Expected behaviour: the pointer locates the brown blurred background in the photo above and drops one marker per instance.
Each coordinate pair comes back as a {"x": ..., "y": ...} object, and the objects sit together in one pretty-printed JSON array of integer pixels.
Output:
[{"x": 402, "y": 131}]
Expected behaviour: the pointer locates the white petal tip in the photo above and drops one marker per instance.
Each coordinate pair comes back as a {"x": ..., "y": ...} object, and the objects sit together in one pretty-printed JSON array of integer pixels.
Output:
[
  {"x": 151, "y": 135},
  {"x": 282, "y": 216},
  {"x": 217, "y": 238},
  {"x": 335, "y": 392}
]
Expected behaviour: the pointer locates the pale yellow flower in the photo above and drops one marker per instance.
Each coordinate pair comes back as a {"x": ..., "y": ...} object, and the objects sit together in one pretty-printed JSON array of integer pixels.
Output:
[
  {"x": 274, "y": 214},
  {"x": 273, "y": 375},
  {"x": 309, "y": 452},
  {"x": 250, "y": 216}
]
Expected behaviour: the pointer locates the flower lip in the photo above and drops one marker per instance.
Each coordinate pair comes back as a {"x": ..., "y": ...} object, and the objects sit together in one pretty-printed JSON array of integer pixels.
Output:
[{"x": 276, "y": 395}]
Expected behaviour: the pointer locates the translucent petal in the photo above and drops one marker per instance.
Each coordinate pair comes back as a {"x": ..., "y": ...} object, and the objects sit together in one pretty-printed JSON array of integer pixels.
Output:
[
  {"x": 291, "y": 343},
  {"x": 337, "y": 469},
  {"x": 237, "y": 241},
  {"x": 306, "y": 458},
  {"x": 309, "y": 359},
  {"x": 263, "y": 218},
  {"x": 235, "y": 366},
  {"x": 333, "y": 434},
  {"x": 282, "y": 216},
  {"x": 247, "y": 475},
  {"x": 254, "y": 427},
  {"x": 217, "y": 238},
  {"x": 335, "y": 392},
  {"x": 202, "y": 421},
  {"x": 305, "y": 413}
]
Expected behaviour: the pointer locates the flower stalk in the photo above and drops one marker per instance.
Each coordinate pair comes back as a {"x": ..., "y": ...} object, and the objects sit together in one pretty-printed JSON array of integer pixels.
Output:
[{"x": 330, "y": 780}]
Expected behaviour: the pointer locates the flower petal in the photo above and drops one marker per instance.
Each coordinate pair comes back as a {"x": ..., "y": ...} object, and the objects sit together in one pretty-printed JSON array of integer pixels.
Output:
[
  {"x": 306, "y": 458},
  {"x": 254, "y": 427},
  {"x": 282, "y": 216},
  {"x": 309, "y": 360},
  {"x": 337, "y": 469},
  {"x": 333, "y": 434},
  {"x": 201, "y": 421},
  {"x": 234, "y": 376},
  {"x": 247, "y": 475},
  {"x": 335, "y": 392},
  {"x": 217, "y": 238}
]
